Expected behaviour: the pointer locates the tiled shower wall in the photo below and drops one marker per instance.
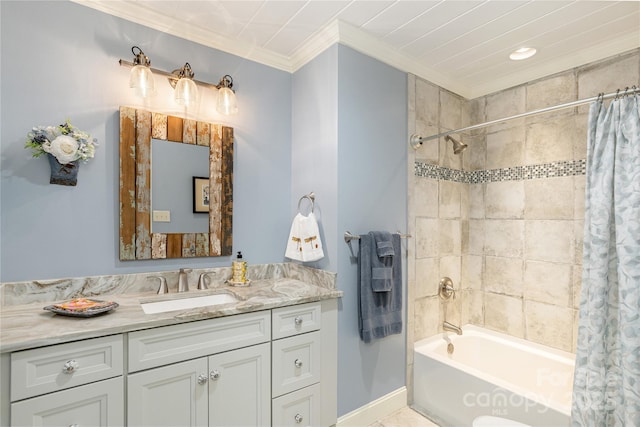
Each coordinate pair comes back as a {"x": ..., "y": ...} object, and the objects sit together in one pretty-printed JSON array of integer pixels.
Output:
[{"x": 506, "y": 224}]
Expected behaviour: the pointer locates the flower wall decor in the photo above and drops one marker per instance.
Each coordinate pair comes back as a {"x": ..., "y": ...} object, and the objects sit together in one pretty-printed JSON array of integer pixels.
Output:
[{"x": 65, "y": 145}]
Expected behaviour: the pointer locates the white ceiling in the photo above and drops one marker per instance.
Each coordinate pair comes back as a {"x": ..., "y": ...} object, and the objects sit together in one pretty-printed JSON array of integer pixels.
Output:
[{"x": 463, "y": 46}]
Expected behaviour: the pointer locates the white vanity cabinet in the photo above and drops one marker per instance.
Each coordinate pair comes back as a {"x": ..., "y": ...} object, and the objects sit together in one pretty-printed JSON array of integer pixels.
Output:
[
  {"x": 275, "y": 367},
  {"x": 78, "y": 383},
  {"x": 303, "y": 366},
  {"x": 226, "y": 384}
]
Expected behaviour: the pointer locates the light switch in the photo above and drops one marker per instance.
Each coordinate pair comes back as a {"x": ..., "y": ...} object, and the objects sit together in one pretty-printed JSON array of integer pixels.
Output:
[{"x": 162, "y": 216}]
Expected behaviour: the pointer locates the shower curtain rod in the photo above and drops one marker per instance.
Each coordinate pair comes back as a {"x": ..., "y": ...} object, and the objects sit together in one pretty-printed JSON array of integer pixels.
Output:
[{"x": 417, "y": 140}]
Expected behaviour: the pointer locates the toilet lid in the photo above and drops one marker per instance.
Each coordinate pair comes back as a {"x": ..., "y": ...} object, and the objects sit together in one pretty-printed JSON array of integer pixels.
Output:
[{"x": 488, "y": 421}]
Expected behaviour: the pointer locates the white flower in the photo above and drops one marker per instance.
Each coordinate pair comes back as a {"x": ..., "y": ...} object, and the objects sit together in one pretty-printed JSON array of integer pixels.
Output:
[
  {"x": 90, "y": 151},
  {"x": 64, "y": 148},
  {"x": 52, "y": 132}
]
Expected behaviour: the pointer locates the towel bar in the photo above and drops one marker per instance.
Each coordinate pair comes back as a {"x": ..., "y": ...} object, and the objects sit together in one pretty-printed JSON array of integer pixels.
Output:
[{"x": 349, "y": 237}]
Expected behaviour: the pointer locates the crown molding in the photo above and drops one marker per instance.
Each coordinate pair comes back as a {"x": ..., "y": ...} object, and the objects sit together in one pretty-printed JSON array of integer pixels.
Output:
[{"x": 315, "y": 45}]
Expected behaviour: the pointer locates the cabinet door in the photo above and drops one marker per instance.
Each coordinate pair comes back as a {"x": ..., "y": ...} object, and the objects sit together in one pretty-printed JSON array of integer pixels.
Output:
[
  {"x": 98, "y": 404},
  {"x": 174, "y": 395},
  {"x": 239, "y": 387}
]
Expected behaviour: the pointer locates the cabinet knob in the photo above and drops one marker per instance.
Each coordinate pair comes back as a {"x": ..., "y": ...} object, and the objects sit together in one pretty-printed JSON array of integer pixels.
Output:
[
  {"x": 298, "y": 320},
  {"x": 70, "y": 366},
  {"x": 298, "y": 418},
  {"x": 215, "y": 374},
  {"x": 298, "y": 363},
  {"x": 202, "y": 379},
  {"x": 73, "y": 425}
]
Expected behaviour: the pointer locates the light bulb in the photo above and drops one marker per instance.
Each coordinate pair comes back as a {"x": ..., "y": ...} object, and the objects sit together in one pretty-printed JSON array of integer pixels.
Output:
[
  {"x": 227, "y": 103},
  {"x": 186, "y": 92},
  {"x": 141, "y": 80}
]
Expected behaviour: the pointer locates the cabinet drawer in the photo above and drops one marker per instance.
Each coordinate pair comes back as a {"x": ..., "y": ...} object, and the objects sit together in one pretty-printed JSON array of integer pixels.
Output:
[
  {"x": 99, "y": 404},
  {"x": 169, "y": 344},
  {"x": 295, "y": 363},
  {"x": 297, "y": 319},
  {"x": 300, "y": 408},
  {"x": 57, "y": 367}
]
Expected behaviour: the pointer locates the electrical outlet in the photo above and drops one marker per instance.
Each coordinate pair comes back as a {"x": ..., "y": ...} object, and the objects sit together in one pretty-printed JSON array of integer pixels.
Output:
[{"x": 162, "y": 216}]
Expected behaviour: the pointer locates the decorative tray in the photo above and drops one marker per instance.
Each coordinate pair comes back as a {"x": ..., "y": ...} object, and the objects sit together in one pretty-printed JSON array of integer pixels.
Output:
[
  {"x": 82, "y": 307},
  {"x": 232, "y": 283}
]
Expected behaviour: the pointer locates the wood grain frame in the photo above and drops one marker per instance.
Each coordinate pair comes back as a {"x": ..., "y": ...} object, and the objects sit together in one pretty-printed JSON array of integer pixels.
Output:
[{"x": 137, "y": 128}]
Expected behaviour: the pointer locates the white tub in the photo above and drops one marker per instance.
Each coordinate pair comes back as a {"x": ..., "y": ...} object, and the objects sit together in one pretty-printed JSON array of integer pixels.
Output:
[{"x": 490, "y": 373}]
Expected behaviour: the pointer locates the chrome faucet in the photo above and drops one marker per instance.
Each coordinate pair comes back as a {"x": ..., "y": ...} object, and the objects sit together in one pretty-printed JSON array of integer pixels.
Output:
[
  {"x": 451, "y": 328},
  {"x": 183, "y": 281}
]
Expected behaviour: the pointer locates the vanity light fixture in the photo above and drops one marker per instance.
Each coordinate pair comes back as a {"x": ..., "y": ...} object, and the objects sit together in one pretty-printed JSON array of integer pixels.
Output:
[
  {"x": 185, "y": 90},
  {"x": 181, "y": 80},
  {"x": 141, "y": 77}
]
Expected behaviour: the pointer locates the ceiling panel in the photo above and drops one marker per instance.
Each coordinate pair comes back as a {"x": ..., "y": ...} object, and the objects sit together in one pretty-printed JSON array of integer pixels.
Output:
[
  {"x": 495, "y": 49},
  {"x": 597, "y": 34},
  {"x": 460, "y": 45},
  {"x": 437, "y": 17},
  {"x": 268, "y": 20},
  {"x": 359, "y": 12},
  {"x": 229, "y": 17},
  {"x": 305, "y": 23},
  {"x": 399, "y": 14},
  {"x": 466, "y": 44},
  {"x": 463, "y": 24}
]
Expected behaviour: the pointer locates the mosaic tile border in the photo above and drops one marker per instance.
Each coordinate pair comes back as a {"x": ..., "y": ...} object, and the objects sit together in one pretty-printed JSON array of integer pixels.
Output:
[{"x": 515, "y": 173}]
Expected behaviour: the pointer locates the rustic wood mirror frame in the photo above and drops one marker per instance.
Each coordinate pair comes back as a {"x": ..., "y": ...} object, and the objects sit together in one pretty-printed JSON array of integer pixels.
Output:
[{"x": 137, "y": 242}]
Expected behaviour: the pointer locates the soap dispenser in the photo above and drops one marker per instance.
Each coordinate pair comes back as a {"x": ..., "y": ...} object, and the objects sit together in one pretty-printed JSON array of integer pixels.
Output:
[{"x": 239, "y": 269}]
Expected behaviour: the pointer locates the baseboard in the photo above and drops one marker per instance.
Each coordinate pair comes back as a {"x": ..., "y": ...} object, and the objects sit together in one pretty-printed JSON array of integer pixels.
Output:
[{"x": 376, "y": 410}]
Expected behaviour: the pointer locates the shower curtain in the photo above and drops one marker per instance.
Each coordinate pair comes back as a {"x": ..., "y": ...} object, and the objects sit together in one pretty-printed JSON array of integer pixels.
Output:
[{"x": 607, "y": 374}]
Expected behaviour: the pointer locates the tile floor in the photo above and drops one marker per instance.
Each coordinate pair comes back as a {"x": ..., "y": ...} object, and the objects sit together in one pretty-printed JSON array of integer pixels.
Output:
[{"x": 405, "y": 417}]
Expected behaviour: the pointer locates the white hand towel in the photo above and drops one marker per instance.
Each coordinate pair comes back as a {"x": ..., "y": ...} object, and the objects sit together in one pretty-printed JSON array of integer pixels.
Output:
[{"x": 304, "y": 242}]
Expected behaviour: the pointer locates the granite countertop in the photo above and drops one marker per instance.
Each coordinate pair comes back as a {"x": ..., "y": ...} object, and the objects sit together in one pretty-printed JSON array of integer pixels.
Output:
[{"x": 28, "y": 325}]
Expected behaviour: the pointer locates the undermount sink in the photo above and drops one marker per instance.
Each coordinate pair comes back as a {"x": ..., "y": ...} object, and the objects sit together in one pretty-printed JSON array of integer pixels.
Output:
[{"x": 187, "y": 303}]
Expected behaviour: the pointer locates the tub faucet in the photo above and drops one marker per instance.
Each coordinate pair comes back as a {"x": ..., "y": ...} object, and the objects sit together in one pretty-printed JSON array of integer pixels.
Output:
[
  {"x": 183, "y": 281},
  {"x": 452, "y": 328}
]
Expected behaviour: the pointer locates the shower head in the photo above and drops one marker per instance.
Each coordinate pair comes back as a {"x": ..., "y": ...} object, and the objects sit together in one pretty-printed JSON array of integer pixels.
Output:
[{"x": 458, "y": 147}]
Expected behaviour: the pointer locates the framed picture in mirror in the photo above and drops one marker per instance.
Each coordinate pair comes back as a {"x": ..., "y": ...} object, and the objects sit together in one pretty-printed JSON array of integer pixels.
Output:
[{"x": 201, "y": 195}]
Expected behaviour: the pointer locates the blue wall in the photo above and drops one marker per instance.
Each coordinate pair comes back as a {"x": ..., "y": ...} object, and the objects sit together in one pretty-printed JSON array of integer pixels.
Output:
[
  {"x": 349, "y": 147},
  {"x": 60, "y": 60}
]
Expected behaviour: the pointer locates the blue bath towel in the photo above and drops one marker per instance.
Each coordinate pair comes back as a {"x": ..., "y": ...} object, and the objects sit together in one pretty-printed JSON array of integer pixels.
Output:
[{"x": 379, "y": 309}]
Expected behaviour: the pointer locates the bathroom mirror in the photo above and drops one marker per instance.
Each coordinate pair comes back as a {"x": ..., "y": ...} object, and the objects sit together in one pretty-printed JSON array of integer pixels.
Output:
[
  {"x": 171, "y": 206},
  {"x": 137, "y": 241}
]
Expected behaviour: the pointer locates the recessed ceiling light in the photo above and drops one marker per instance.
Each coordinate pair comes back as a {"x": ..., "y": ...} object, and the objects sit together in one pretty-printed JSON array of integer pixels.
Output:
[{"x": 523, "y": 53}]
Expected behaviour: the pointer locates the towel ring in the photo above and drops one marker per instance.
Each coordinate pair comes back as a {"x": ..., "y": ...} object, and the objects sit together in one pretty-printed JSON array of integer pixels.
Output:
[{"x": 311, "y": 197}]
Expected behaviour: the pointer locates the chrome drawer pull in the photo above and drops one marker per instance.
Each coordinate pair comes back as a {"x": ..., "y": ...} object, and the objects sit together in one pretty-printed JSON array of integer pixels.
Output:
[
  {"x": 298, "y": 363},
  {"x": 298, "y": 418},
  {"x": 215, "y": 374},
  {"x": 298, "y": 320},
  {"x": 70, "y": 366},
  {"x": 202, "y": 379}
]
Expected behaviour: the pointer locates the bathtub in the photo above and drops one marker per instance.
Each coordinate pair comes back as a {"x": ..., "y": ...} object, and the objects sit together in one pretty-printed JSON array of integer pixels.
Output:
[{"x": 493, "y": 374}]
